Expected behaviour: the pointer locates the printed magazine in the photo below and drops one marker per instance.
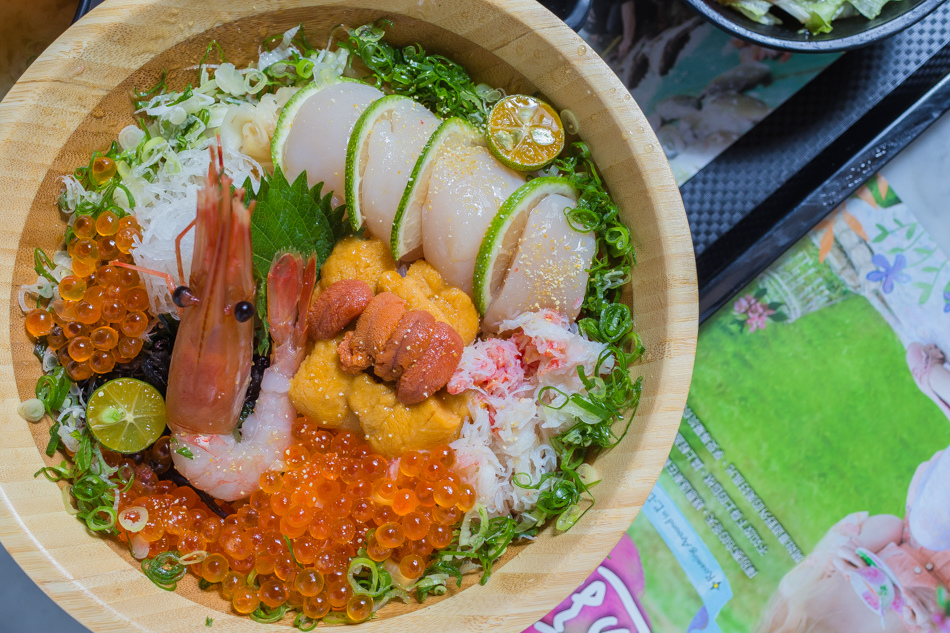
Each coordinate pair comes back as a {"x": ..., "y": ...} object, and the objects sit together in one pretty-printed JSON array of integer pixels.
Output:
[{"x": 808, "y": 489}]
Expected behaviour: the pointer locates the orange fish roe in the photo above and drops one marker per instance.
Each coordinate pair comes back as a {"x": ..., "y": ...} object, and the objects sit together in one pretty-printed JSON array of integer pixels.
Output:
[
  {"x": 291, "y": 543},
  {"x": 102, "y": 304}
]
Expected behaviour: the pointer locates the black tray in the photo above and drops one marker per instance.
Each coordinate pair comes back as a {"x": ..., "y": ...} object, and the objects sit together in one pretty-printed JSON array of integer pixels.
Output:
[{"x": 767, "y": 190}]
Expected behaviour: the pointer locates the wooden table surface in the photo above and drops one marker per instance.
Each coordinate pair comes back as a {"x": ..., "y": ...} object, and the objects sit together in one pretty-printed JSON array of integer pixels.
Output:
[{"x": 26, "y": 28}]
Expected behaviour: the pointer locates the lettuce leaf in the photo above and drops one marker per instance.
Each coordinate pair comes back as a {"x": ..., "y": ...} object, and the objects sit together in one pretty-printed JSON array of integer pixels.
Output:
[
  {"x": 755, "y": 10},
  {"x": 869, "y": 8},
  {"x": 816, "y": 15}
]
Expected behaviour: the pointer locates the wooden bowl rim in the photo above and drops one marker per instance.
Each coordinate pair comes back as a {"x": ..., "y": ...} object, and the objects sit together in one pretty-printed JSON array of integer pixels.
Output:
[{"x": 119, "y": 597}]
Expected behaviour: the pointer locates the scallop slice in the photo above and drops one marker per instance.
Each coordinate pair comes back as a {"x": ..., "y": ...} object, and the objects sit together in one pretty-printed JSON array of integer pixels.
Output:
[
  {"x": 466, "y": 189},
  {"x": 318, "y": 136},
  {"x": 393, "y": 148},
  {"x": 505, "y": 231},
  {"x": 406, "y": 241},
  {"x": 549, "y": 269}
]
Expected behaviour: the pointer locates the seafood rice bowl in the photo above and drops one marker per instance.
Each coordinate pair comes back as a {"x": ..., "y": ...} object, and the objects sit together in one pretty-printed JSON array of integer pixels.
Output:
[{"x": 332, "y": 329}]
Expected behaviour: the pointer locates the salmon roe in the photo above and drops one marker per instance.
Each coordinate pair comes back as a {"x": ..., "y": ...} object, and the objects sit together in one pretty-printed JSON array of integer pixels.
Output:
[
  {"x": 290, "y": 544},
  {"x": 97, "y": 297}
]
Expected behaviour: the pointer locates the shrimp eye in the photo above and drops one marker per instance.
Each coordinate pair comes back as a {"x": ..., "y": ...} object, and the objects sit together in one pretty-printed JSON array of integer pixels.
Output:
[
  {"x": 184, "y": 297},
  {"x": 243, "y": 311}
]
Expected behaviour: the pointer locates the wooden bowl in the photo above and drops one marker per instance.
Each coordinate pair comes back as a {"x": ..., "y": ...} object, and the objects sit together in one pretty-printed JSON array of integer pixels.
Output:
[{"x": 75, "y": 98}]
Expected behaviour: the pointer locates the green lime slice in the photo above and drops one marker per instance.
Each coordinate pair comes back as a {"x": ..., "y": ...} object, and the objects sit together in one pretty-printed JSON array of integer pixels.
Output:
[
  {"x": 126, "y": 415},
  {"x": 407, "y": 223},
  {"x": 501, "y": 240},
  {"x": 357, "y": 152}
]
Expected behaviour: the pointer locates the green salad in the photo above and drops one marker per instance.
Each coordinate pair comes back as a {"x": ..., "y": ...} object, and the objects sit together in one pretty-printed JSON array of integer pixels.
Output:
[{"x": 816, "y": 15}]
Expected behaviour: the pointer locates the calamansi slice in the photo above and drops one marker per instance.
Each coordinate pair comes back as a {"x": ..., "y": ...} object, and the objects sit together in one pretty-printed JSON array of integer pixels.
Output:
[
  {"x": 524, "y": 133},
  {"x": 126, "y": 415}
]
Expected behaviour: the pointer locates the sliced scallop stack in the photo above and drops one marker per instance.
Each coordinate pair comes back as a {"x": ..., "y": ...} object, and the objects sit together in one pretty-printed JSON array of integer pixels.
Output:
[{"x": 432, "y": 189}]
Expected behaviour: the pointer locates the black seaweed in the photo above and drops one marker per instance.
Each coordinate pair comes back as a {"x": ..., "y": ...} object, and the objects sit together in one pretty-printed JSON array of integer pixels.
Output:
[
  {"x": 151, "y": 365},
  {"x": 261, "y": 362}
]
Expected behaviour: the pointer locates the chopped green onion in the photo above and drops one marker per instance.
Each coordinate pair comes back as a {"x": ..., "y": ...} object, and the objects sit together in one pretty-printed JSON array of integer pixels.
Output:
[
  {"x": 164, "y": 570},
  {"x": 304, "y": 623},
  {"x": 267, "y": 616},
  {"x": 435, "y": 81}
]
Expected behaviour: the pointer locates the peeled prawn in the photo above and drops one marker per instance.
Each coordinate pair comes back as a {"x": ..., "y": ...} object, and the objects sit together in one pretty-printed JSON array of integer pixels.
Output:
[
  {"x": 228, "y": 468},
  {"x": 211, "y": 361}
]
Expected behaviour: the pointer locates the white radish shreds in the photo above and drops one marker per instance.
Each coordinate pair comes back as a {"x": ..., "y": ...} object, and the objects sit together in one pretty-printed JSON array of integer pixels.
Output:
[
  {"x": 50, "y": 360},
  {"x": 510, "y": 428},
  {"x": 164, "y": 165},
  {"x": 280, "y": 52},
  {"x": 230, "y": 79},
  {"x": 44, "y": 288},
  {"x": 324, "y": 61},
  {"x": 74, "y": 194},
  {"x": 166, "y": 206},
  {"x": 130, "y": 136},
  {"x": 71, "y": 418}
]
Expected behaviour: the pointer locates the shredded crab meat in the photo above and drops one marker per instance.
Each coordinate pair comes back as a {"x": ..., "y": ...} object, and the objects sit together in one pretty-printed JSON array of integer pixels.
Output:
[{"x": 510, "y": 429}]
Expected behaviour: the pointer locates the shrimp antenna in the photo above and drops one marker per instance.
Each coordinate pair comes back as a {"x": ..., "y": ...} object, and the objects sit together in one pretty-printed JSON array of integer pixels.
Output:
[
  {"x": 181, "y": 236},
  {"x": 220, "y": 157},
  {"x": 169, "y": 280}
]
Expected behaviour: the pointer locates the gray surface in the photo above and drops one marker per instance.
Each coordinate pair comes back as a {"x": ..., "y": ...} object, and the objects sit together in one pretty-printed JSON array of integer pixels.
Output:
[
  {"x": 25, "y": 608},
  {"x": 754, "y": 167},
  {"x": 919, "y": 176}
]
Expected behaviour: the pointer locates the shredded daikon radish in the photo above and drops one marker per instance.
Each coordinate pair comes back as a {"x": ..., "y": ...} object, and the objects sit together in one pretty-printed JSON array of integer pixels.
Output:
[
  {"x": 164, "y": 165},
  {"x": 169, "y": 205}
]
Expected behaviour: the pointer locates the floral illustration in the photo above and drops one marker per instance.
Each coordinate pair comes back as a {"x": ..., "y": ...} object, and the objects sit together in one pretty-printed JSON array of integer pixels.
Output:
[
  {"x": 878, "y": 193},
  {"x": 753, "y": 313},
  {"x": 946, "y": 299},
  {"x": 889, "y": 274},
  {"x": 828, "y": 226}
]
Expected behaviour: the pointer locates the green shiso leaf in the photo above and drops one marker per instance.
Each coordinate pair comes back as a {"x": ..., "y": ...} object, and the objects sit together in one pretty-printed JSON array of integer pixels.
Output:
[{"x": 292, "y": 217}]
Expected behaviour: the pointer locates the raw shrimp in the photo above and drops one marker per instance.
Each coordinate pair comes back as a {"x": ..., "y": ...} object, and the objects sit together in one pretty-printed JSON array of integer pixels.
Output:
[
  {"x": 211, "y": 361},
  {"x": 221, "y": 465}
]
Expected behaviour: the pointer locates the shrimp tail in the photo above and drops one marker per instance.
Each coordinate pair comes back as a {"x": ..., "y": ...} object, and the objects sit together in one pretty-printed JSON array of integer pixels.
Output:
[{"x": 290, "y": 284}]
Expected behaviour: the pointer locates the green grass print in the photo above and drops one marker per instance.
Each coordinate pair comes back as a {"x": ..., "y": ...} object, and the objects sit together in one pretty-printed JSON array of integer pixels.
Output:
[{"x": 821, "y": 416}]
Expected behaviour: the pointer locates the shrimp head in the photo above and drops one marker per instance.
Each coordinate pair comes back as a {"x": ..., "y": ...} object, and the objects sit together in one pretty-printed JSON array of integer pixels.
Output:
[{"x": 211, "y": 363}]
